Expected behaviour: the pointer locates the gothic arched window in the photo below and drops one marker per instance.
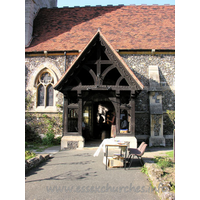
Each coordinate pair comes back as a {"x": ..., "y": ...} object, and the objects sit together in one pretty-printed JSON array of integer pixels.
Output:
[
  {"x": 45, "y": 89},
  {"x": 40, "y": 101},
  {"x": 50, "y": 95}
]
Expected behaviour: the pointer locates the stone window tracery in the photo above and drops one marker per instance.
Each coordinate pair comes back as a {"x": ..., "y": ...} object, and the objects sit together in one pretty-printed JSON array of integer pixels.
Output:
[{"x": 45, "y": 91}]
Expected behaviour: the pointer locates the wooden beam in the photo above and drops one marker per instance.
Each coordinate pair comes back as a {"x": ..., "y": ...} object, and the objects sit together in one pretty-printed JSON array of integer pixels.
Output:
[
  {"x": 132, "y": 113},
  {"x": 80, "y": 114},
  {"x": 119, "y": 80},
  {"x": 106, "y": 62},
  {"x": 65, "y": 116},
  {"x": 117, "y": 113},
  {"x": 91, "y": 73},
  {"x": 121, "y": 52},
  {"x": 98, "y": 65},
  {"x": 99, "y": 88},
  {"x": 107, "y": 70},
  {"x": 147, "y": 52},
  {"x": 41, "y": 54}
]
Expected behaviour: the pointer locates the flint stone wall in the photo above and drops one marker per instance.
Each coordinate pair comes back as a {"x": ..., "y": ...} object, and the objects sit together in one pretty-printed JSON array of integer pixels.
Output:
[
  {"x": 162, "y": 187},
  {"x": 39, "y": 122},
  {"x": 139, "y": 64},
  {"x": 33, "y": 162}
]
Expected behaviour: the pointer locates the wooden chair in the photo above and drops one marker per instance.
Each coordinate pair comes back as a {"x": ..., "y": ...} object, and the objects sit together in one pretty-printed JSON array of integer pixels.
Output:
[{"x": 137, "y": 152}]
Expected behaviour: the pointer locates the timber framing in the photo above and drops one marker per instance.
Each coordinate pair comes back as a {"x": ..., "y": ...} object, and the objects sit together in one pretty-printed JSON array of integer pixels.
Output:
[
  {"x": 98, "y": 74},
  {"x": 120, "y": 52},
  {"x": 51, "y": 53},
  {"x": 109, "y": 57}
]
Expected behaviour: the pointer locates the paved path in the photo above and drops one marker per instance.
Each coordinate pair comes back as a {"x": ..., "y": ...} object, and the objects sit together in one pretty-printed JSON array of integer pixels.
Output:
[
  {"x": 50, "y": 150},
  {"x": 76, "y": 174}
]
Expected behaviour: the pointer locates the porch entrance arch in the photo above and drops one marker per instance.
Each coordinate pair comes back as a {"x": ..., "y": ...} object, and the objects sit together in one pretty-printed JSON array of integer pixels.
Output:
[{"x": 99, "y": 79}]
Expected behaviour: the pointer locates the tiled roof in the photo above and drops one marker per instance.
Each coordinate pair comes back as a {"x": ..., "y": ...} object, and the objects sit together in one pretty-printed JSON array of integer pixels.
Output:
[{"x": 125, "y": 27}]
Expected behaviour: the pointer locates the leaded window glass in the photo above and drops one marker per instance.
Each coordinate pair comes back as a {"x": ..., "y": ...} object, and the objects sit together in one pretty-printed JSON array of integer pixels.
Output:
[
  {"x": 45, "y": 91},
  {"x": 41, "y": 95},
  {"x": 72, "y": 120},
  {"x": 50, "y": 95},
  {"x": 46, "y": 78}
]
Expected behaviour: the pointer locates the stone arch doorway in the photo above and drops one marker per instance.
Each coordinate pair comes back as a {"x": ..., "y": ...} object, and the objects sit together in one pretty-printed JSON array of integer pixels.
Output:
[{"x": 97, "y": 108}]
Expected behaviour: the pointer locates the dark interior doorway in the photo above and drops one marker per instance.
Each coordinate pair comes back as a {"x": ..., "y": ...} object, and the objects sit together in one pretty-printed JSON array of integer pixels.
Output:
[
  {"x": 102, "y": 111},
  {"x": 95, "y": 114}
]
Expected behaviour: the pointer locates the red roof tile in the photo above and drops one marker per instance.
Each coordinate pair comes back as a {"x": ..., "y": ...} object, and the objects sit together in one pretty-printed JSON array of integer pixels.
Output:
[{"x": 125, "y": 27}]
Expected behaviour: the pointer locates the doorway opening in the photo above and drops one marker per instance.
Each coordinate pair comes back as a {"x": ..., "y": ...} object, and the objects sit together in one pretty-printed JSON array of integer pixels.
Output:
[{"x": 95, "y": 115}]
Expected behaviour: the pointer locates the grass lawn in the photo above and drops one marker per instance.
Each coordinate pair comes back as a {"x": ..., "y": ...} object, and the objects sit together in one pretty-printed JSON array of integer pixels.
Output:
[
  {"x": 38, "y": 147},
  {"x": 170, "y": 154},
  {"x": 29, "y": 154},
  {"x": 168, "y": 166}
]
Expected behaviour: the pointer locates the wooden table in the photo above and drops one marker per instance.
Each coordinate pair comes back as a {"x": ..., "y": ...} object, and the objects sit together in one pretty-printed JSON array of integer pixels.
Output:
[{"x": 117, "y": 145}]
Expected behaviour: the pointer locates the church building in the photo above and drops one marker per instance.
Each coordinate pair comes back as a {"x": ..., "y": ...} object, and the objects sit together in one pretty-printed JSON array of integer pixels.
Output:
[{"x": 85, "y": 64}]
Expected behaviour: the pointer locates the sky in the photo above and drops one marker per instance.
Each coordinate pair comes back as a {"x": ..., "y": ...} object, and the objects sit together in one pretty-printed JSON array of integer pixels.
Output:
[{"x": 81, "y": 3}]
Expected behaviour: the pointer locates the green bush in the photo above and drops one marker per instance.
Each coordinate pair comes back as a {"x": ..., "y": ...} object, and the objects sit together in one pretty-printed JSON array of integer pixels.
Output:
[
  {"x": 30, "y": 135},
  {"x": 48, "y": 139},
  {"x": 163, "y": 162},
  {"x": 144, "y": 170},
  {"x": 57, "y": 140}
]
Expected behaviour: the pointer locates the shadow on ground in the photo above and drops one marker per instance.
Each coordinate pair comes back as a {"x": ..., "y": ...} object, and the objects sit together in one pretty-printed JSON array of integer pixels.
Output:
[{"x": 88, "y": 178}]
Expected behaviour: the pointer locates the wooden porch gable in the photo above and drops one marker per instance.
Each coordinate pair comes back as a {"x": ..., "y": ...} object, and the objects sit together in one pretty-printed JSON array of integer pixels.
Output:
[{"x": 98, "y": 67}]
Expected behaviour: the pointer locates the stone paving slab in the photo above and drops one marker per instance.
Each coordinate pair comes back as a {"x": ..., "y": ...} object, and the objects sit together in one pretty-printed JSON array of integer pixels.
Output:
[{"x": 76, "y": 174}]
